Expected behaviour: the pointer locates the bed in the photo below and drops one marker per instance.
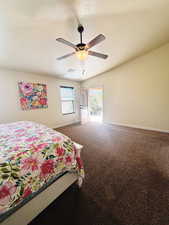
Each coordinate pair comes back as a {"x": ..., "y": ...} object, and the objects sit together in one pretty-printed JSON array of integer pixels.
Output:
[{"x": 37, "y": 164}]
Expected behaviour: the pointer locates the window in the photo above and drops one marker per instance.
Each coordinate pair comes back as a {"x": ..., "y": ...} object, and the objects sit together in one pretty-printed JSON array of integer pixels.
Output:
[{"x": 67, "y": 100}]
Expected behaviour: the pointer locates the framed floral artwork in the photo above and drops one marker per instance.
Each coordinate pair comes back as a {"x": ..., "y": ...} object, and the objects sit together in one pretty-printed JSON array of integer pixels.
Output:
[{"x": 32, "y": 95}]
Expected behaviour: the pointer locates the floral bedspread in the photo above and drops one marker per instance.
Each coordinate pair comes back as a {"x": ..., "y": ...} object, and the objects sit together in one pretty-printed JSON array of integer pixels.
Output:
[{"x": 30, "y": 155}]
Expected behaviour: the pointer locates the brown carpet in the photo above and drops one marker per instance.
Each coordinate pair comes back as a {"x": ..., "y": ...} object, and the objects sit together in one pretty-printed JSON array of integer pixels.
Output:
[{"x": 127, "y": 179}]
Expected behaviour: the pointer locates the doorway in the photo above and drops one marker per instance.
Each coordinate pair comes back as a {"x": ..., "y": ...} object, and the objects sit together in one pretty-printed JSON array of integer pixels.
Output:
[{"x": 95, "y": 104}]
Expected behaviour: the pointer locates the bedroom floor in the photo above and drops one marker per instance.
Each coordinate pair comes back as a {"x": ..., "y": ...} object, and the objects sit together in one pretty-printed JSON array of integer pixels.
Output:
[{"x": 127, "y": 179}]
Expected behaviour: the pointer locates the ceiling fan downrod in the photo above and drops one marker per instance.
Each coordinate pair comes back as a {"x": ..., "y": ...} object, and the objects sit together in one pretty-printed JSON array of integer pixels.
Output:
[{"x": 80, "y": 30}]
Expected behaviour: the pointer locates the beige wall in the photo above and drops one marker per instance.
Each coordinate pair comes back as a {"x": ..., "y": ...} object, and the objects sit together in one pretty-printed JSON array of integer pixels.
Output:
[
  {"x": 10, "y": 110},
  {"x": 137, "y": 93}
]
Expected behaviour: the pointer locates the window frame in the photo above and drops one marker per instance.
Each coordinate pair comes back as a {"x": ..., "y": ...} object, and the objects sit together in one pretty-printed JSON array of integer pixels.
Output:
[{"x": 73, "y": 101}]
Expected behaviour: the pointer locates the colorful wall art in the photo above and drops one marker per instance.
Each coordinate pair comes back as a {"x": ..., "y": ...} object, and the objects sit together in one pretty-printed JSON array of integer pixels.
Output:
[{"x": 32, "y": 95}]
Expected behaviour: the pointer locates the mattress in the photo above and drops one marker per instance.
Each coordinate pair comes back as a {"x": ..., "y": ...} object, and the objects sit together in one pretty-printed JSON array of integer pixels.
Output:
[{"x": 31, "y": 156}]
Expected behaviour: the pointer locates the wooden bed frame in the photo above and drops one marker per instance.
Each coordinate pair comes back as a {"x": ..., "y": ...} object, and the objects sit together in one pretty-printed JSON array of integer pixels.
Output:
[{"x": 30, "y": 210}]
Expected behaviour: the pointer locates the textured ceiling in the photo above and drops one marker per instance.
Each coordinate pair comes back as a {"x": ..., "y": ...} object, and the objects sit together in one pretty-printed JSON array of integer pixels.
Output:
[{"x": 28, "y": 30}]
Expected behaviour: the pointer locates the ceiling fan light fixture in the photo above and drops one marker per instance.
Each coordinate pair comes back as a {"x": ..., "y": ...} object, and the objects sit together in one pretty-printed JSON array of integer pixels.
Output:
[{"x": 82, "y": 54}]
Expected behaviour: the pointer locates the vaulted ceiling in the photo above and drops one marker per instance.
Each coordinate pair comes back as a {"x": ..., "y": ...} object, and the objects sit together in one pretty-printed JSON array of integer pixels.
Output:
[{"x": 28, "y": 29}]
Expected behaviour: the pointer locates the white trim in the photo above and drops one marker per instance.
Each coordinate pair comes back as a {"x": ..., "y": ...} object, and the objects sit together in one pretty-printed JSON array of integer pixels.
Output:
[
  {"x": 138, "y": 127},
  {"x": 65, "y": 124}
]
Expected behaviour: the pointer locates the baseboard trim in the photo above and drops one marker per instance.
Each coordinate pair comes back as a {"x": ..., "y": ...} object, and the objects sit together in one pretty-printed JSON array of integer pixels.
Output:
[
  {"x": 138, "y": 127},
  {"x": 66, "y": 124}
]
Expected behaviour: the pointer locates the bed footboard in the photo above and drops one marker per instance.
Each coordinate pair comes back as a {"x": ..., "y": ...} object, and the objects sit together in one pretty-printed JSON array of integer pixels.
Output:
[
  {"x": 30, "y": 210},
  {"x": 35, "y": 206}
]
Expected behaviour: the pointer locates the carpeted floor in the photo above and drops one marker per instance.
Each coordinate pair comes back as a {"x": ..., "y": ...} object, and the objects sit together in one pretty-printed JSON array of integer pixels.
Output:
[{"x": 127, "y": 179}]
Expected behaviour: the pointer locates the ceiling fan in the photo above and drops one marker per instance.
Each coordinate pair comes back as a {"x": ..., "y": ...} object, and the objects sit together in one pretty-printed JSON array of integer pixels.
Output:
[{"x": 81, "y": 49}]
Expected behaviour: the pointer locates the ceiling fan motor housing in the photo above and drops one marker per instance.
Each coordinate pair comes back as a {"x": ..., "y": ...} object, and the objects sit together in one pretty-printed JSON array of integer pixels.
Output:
[{"x": 81, "y": 47}]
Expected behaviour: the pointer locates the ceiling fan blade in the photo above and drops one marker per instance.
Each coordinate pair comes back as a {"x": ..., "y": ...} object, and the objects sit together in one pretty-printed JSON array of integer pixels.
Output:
[
  {"x": 96, "y": 41},
  {"x": 65, "y": 56},
  {"x": 63, "y": 41},
  {"x": 97, "y": 54}
]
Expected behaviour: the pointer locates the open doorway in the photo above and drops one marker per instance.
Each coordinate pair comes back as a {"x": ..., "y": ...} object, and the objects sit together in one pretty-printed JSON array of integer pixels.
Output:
[{"x": 95, "y": 104}]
